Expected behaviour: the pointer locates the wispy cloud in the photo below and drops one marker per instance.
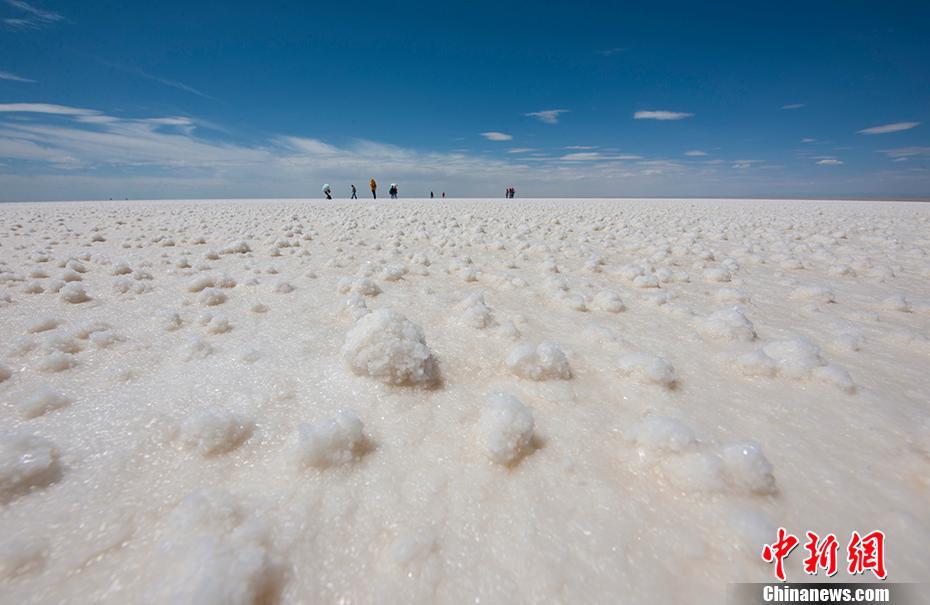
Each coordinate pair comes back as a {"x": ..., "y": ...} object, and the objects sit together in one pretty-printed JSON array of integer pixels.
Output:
[
  {"x": 896, "y": 127},
  {"x": 497, "y": 136},
  {"x": 580, "y": 147},
  {"x": 906, "y": 152},
  {"x": 808, "y": 140},
  {"x": 829, "y": 162},
  {"x": 609, "y": 52},
  {"x": 595, "y": 156},
  {"x": 31, "y": 18},
  {"x": 745, "y": 164},
  {"x": 49, "y": 108},
  {"x": 135, "y": 71},
  {"x": 794, "y": 106},
  {"x": 547, "y": 116},
  {"x": 6, "y": 75},
  {"x": 661, "y": 115},
  {"x": 521, "y": 150},
  {"x": 695, "y": 153}
]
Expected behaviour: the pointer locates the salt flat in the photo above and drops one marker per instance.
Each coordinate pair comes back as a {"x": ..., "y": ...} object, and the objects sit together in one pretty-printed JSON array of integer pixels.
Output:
[{"x": 604, "y": 401}]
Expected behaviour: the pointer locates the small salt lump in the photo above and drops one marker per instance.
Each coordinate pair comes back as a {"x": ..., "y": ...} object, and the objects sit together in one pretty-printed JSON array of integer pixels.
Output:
[
  {"x": 212, "y": 297},
  {"x": 661, "y": 433},
  {"x": 727, "y": 324},
  {"x": 795, "y": 357},
  {"x": 607, "y": 300},
  {"x": 212, "y": 432},
  {"x": 545, "y": 361},
  {"x": 505, "y": 428},
  {"x": 387, "y": 346},
  {"x": 213, "y": 553},
  {"x": 648, "y": 369},
  {"x": 74, "y": 293},
  {"x": 26, "y": 462},
  {"x": 41, "y": 402},
  {"x": 747, "y": 468},
  {"x": 330, "y": 442}
]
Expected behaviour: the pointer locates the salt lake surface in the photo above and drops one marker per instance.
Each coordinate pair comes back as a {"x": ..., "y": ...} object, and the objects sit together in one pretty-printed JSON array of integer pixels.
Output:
[{"x": 486, "y": 401}]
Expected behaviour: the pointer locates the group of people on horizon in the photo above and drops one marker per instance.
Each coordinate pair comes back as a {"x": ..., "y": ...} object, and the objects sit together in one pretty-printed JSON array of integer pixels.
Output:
[
  {"x": 373, "y": 185},
  {"x": 509, "y": 192}
]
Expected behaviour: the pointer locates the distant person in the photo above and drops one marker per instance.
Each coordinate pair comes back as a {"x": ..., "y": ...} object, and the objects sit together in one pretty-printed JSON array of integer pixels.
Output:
[
  {"x": 443, "y": 195},
  {"x": 374, "y": 188},
  {"x": 430, "y": 195},
  {"x": 327, "y": 191},
  {"x": 393, "y": 191},
  {"x": 353, "y": 196}
]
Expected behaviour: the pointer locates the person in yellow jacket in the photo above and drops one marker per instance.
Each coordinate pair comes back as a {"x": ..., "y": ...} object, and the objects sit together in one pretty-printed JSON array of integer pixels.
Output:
[{"x": 374, "y": 188}]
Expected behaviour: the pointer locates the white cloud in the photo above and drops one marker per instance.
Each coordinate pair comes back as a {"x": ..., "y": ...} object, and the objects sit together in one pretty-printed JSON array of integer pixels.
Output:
[
  {"x": 595, "y": 156},
  {"x": 45, "y": 108},
  {"x": 65, "y": 152},
  {"x": 497, "y": 136},
  {"x": 695, "y": 153},
  {"x": 829, "y": 162},
  {"x": 896, "y": 127},
  {"x": 547, "y": 116},
  {"x": 744, "y": 164},
  {"x": 905, "y": 152},
  {"x": 808, "y": 140},
  {"x": 521, "y": 150},
  {"x": 580, "y": 147},
  {"x": 582, "y": 156},
  {"x": 794, "y": 106},
  {"x": 6, "y": 75},
  {"x": 33, "y": 18},
  {"x": 661, "y": 115}
]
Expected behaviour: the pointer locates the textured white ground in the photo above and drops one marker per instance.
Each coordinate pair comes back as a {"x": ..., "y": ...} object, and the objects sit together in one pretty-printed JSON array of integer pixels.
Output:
[{"x": 603, "y": 401}]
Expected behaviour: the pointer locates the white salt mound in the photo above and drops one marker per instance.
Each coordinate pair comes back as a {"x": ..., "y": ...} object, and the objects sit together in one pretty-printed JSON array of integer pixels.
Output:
[
  {"x": 73, "y": 293},
  {"x": 795, "y": 358},
  {"x": 545, "y": 361},
  {"x": 387, "y": 346},
  {"x": 212, "y": 432},
  {"x": 747, "y": 468},
  {"x": 607, "y": 300},
  {"x": 213, "y": 554},
  {"x": 330, "y": 442},
  {"x": 505, "y": 428},
  {"x": 727, "y": 324},
  {"x": 661, "y": 433},
  {"x": 756, "y": 363},
  {"x": 42, "y": 324},
  {"x": 26, "y": 462},
  {"x": 648, "y": 369},
  {"x": 57, "y": 362},
  {"x": 41, "y": 402}
]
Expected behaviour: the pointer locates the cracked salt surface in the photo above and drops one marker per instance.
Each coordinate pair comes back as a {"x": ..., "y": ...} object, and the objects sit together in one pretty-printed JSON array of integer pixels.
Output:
[{"x": 533, "y": 401}]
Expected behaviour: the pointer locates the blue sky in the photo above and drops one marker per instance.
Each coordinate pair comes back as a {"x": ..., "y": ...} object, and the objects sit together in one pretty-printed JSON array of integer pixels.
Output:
[{"x": 217, "y": 99}]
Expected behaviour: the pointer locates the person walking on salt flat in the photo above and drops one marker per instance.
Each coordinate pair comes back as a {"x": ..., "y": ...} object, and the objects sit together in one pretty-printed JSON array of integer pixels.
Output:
[
  {"x": 327, "y": 191},
  {"x": 353, "y": 196},
  {"x": 374, "y": 188}
]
